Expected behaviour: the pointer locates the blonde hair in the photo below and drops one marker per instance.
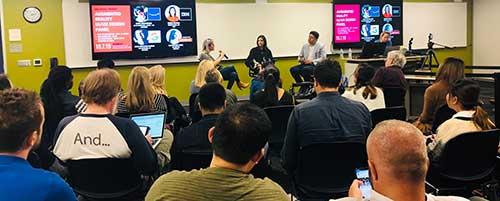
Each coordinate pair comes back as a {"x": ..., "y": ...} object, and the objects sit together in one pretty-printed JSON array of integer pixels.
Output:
[
  {"x": 157, "y": 75},
  {"x": 201, "y": 72},
  {"x": 206, "y": 43},
  {"x": 101, "y": 86},
  {"x": 398, "y": 58},
  {"x": 140, "y": 95}
]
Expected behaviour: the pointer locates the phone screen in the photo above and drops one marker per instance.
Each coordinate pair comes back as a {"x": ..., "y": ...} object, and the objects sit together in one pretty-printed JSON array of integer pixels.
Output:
[
  {"x": 144, "y": 129},
  {"x": 366, "y": 188}
]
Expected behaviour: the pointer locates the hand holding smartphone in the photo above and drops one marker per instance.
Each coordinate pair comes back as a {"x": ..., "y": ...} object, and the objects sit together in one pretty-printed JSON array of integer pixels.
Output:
[{"x": 363, "y": 175}]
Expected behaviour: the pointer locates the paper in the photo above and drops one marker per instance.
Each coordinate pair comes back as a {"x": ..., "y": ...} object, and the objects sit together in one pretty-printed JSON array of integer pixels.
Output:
[
  {"x": 14, "y": 34},
  {"x": 15, "y": 48}
]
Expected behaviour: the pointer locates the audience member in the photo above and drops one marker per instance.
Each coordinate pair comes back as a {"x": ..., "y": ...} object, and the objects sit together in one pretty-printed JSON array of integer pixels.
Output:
[
  {"x": 371, "y": 96},
  {"x": 157, "y": 75},
  {"x": 140, "y": 96},
  {"x": 195, "y": 137},
  {"x": 273, "y": 94},
  {"x": 391, "y": 76},
  {"x": 327, "y": 118},
  {"x": 435, "y": 95},
  {"x": 4, "y": 82},
  {"x": 238, "y": 141},
  {"x": 201, "y": 73},
  {"x": 105, "y": 63},
  {"x": 470, "y": 117},
  {"x": 104, "y": 154},
  {"x": 58, "y": 103},
  {"x": 310, "y": 55},
  {"x": 398, "y": 165},
  {"x": 213, "y": 75},
  {"x": 22, "y": 116}
]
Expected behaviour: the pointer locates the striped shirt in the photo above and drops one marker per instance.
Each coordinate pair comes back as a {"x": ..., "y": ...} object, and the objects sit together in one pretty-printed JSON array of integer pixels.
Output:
[
  {"x": 160, "y": 104},
  {"x": 214, "y": 184}
]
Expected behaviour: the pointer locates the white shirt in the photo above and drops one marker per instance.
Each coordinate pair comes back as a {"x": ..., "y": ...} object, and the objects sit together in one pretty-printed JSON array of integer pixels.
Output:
[
  {"x": 379, "y": 197},
  {"x": 371, "y": 104}
]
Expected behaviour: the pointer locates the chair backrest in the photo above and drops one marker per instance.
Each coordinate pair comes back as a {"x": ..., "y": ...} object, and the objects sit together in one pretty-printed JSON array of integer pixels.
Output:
[
  {"x": 279, "y": 116},
  {"x": 470, "y": 156},
  {"x": 194, "y": 159},
  {"x": 383, "y": 114},
  {"x": 442, "y": 114},
  {"x": 394, "y": 96},
  {"x": 325, "y": 170}
]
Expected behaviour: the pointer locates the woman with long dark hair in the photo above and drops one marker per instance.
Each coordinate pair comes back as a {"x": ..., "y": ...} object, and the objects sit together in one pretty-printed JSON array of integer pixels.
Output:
[
  {"x": 470, "y": 117},
  {"x": 273, "y": 94},
  {"x": 364, "y": 91},
  {"x": 258, "y": 59}
]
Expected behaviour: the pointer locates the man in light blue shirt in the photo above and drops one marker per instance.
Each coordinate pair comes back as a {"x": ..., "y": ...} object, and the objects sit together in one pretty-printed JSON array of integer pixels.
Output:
[
  {"x": 22, "y": 117},
  {"x": 311, "y": 54}
]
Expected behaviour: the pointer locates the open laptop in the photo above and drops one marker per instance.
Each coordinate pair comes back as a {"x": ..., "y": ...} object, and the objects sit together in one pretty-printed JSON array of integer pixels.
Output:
[
  {"x": 373, "y": 50},
  {"x": 154, "y": 121}
]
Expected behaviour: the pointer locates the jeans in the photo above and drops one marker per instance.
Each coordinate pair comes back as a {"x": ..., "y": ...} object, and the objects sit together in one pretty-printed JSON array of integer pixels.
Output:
[
  {"x": 229, "y": 73},
  {"x": 255, "y": 85},
  {"x": 302, "y": 71}
]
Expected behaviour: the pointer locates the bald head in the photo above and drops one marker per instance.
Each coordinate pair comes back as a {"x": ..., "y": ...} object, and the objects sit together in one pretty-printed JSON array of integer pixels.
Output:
[{"x": 398, "y": 149}]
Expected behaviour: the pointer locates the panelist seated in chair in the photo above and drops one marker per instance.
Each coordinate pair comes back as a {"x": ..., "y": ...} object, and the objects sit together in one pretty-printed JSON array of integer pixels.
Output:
[
  {"x": 105, "y": 155},
  {"x": 398, "y": 165},
  {"x": 470, "y": 117},
  {"x": 312, "y": 53},
  {"x": 258, "y": 60}
]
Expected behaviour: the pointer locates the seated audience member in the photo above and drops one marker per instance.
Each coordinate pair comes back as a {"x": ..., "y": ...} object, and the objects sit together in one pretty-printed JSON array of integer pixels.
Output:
[
  {"x": 211, "y": 102},
  {"x": 4, "y": 82},
  {"x": 310, "y": 55},
  {"x": 364, "y": 91},
  {"x": 104, "y": 154},
  {"x": 22, "y": 116},
  {"x": 58, "y": 103},
  {"x": 435, "y": 95},
  {"x": 391, "y": 76},
  {"x": 273, "y": 94},
  {"x": 238, "y": 141},
  {"x": 105, "y": 63},
  {"x": 398, "y": 165},
  {"x": 470, "y": 117},
  {"x": 157, "y": 75},
  {"x": 327, "y": 118},
  {"x": 140, "y": 96},
  {"x": 214, "y": 76},
  {"x": 201, "y": 73}
]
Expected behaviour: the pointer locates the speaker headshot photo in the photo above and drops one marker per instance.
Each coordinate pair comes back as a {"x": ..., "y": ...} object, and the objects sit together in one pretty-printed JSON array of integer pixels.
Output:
[{"x": 387, "y": 11}]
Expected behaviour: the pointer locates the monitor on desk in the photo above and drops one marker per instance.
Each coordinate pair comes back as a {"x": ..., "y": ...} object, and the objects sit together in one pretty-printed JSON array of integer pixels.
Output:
[{"x": 373, "y": 50}]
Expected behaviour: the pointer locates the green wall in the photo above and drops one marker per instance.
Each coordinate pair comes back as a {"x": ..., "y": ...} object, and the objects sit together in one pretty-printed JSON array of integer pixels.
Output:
[{"x": 46, "y": 39}]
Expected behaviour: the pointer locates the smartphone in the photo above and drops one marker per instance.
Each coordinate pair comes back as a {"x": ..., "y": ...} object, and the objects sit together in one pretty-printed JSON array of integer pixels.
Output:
[
  {"x": 144, "y": 129},
  {"x": 363, "y": 175}
]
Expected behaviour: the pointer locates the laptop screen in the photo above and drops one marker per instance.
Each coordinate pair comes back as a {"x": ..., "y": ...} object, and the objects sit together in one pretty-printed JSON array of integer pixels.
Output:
[{"x": 154, "y": 121}]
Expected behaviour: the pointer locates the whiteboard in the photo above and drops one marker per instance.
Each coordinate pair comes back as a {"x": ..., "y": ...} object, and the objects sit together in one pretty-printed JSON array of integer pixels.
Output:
[
  {"x": 446, "y": 21},
  {"x": 234, "y": 28},
  {"x": 485, "y": 39}
]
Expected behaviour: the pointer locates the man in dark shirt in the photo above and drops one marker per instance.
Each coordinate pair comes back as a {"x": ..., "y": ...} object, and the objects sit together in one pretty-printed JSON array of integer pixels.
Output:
[
  {"x": 195, "y": 137},
  {"x": 327, "y": 118}
]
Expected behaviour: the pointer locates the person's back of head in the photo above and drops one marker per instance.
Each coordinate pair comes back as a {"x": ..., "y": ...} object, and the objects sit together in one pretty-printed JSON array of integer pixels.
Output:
[
  {"x": 157, "y": 75},
  {"x": 271, "y": 83},
  {"x": 328, "y": 74},
  {"x": 140, "y": 95},
  {"x": 59, "y": 80},
  {"x": 364, "y": 75},
  {"x": 21, "y": 117},
  {"x": 451, "y": 70},
  {"x": 213, "y": 75},
  {"x": 212, "y": 97},
  {"x": 465, "y": 94},
  {"x": 397, "y": 155},
  {"x": 105, "y": 63},
  {"x": 240, "y": 134},
  {"x": 4, "y": 82},
  {"x": 201, "y": 72},
  {"x": 101, "y": 87},
  {"x": 395, "y": 58}
]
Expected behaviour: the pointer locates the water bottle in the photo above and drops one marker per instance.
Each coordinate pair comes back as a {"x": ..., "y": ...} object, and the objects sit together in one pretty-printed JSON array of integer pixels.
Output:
[
  {"x": 349, "y": 54},
  {"x": 341, "y": 53}
]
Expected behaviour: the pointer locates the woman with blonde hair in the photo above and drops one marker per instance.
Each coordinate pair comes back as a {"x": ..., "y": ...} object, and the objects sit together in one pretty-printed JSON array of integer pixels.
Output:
[
  {"x": 435, "y": 95},
  {"x": 157, "y": 75},
  {"x": 140, "y": 96},
  {"x": 201, "y": 73}
]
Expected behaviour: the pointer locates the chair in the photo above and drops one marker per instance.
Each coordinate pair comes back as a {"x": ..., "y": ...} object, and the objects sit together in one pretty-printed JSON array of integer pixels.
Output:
[
  {"x": 123, "y": 114},
  {"x": 442, "y": 114},
  {"x": 394, "y": 96},
  {"x": 190, "y": 159},
  {"x": 326, "y": 170},
  {"x": 466, "y": 162},
  {"x": 308, "y": 93},
  {"x": 279, "y": 118},
  {"x": 383, "y": 114}
]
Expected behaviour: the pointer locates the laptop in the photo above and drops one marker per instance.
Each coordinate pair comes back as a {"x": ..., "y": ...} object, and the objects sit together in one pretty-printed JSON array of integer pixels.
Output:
[
  {"x": 152, "y": 124},
  {"x": 373, "y": 50}
]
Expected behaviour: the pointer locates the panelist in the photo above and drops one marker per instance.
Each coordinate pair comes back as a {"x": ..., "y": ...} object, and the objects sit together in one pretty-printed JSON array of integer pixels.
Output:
[
  {"x": 259, "y": 58},
  {"x": 229, "y": 72},
  {"x": 312, "y": 53}
]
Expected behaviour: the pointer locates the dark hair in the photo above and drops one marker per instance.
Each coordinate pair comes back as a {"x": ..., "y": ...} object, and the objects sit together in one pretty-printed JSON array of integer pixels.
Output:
[
  {"x": 105, "y": 63},
  {"x": 315, "y": 34},
  {"x": 212, "y": 96},
  {"x": 328, "y": 74},
  {"x": 213, "y": 75},
  {"x": 240, "y": 132},
  {"x": 271, "y": 83},
  {"x": 20, "y": 116},
  {"x": 4, "y": 82},
  {"x": 175, "y": 11},
  {"x": 60, "y": 79},
  {"x": 467, "y": 93},
  {"x": 364, "y": 75},
  {"x": 264, "y": 39}
]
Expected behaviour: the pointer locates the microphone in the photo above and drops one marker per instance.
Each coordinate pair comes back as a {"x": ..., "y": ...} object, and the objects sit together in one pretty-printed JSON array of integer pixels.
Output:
[
  {"x": 410, "y": 44},
  {"x": 225, "y": 55}
]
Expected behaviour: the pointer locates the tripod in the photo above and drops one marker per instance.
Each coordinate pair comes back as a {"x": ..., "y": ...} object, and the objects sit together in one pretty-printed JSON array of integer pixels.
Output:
[{"x": 431, "y": 57}]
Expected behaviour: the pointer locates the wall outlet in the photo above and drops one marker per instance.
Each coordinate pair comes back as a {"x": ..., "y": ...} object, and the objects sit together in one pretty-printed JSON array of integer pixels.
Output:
[
  {"x": 37, "y": 62},
  {"x": 24, "y": 63}
]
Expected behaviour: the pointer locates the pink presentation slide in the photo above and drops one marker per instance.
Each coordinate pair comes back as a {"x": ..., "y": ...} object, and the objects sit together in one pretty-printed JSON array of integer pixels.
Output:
[
  {"x": 111, "y": 28},
  {"x": 347, "y": 23}
]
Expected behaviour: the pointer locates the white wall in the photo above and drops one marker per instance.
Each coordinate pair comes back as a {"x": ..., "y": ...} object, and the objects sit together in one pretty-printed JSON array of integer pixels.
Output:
[{"x": 486, "y": 33}]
